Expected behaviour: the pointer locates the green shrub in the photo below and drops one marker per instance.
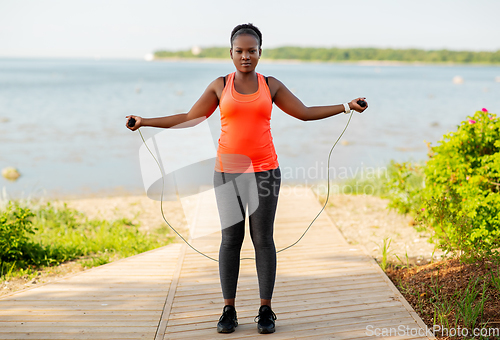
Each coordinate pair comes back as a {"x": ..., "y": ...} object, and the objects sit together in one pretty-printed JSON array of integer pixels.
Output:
[
  {"x": 32, "y": 237},
  {"x": 461, "y": 198},
  {"x": 404, "y": 187},
  {"x": 15, "y": 228}
]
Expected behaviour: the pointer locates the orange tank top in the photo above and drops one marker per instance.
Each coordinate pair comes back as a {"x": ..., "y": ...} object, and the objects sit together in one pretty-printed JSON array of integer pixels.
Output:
[{"x": 245, "y": 143}]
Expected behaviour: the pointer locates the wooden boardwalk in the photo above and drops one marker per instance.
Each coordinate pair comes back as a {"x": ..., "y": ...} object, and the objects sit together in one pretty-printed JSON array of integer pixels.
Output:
[{"x": 325, "y": 289}]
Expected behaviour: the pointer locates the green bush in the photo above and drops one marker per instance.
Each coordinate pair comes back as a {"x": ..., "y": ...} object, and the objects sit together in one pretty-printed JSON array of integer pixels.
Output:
[
  {"x": 461, "y": 198},
  {"x": 15, "y": 228},
  {"x": 32, "y": 237},
  {"x": 404, "y": 187}
]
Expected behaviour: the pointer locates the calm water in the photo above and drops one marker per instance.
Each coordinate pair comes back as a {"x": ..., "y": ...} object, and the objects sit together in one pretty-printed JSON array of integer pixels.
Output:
[{"x": 62, "y": 121}]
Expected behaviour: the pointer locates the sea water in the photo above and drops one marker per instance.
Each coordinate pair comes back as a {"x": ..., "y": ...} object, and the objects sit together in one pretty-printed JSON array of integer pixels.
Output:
[{"x": 62, "y": 122}]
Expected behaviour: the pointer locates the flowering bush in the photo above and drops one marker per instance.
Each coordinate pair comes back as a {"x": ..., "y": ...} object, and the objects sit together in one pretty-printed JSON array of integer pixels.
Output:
[{"x": 461, "y": 197}]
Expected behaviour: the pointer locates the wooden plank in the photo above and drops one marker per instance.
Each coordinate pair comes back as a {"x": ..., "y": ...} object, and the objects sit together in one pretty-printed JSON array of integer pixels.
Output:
[
  {"x": 331, "y": 302},
  {"x": 248, "y": 316},
  {"x": 283, "y": 283},
  {"x": 306, "y": 322},
  {"x": 81, "y": 303},
  {"x": 182, "y": 318},
  {"x": 63, "y": 328},
  {"x": 198, "y": 277},
  {"x": 295, "y": 313},
  {"x": 214, "y": 292},
  {"x": 162, "y": 325},
  {"x": 287, "y": 330},
  {"x": 100, "y": 296},
  {"x": 79, "y": 334},
  {"x": 81, "y": 314},
  {"x": 288, "y": 296},
  {"x": 150, "y": 319},
  {"x": 290, "y": 269}
]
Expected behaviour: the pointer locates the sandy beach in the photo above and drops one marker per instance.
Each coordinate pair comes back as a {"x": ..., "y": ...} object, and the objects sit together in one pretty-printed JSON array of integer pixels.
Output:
[
  {"x": 365, "y": 220},
  {"x": 138, "y": 208}
]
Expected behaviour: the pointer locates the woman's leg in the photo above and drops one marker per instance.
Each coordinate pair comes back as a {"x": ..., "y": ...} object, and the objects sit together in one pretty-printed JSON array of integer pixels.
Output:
[
  {"x": 232, "y": 216},
  {"x": 262, "y": 230}
]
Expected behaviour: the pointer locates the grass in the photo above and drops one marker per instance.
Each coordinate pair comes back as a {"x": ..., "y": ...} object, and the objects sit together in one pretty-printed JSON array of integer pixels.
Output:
[
  {"x": 60, "y": 234},
  {"x": 495, "y": 279},
  {"x": 385, "y": 252},
  {"x": 407, "y": 265},
  {"x": 453, "y": 295}
]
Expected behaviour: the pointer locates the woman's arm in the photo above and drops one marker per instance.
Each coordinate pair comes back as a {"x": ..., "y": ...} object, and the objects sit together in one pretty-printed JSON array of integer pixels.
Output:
[
  {"x": 292, "y": 105},
  {"x": 203, "y": 108}
]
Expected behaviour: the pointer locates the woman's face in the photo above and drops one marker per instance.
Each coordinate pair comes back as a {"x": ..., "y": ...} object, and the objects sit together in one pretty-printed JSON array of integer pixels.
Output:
[{"x": 245, "y": 52}]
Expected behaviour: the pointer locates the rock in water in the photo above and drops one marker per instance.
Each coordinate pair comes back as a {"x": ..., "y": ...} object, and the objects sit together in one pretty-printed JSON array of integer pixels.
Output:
[
  {"x": 10, "y": 173},
  {"x": 458, "y": 80}
]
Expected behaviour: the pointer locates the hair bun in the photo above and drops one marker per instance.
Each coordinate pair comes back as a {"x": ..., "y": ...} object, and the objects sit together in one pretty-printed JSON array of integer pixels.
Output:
[{"x": 246, "y": 29}]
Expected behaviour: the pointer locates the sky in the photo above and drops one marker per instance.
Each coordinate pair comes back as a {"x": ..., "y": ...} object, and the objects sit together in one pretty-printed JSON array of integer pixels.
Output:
[{"x": 133, "y": 28}]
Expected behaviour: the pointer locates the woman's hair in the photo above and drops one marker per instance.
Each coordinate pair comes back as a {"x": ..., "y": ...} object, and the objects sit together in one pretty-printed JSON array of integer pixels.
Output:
[{"x": 246, "y": 29}]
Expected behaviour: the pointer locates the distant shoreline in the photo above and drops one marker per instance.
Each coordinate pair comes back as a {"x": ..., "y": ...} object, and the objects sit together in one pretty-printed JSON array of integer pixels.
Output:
[
  {"x": 262, "y": 61},
  {"x": 298, "y": 61}
]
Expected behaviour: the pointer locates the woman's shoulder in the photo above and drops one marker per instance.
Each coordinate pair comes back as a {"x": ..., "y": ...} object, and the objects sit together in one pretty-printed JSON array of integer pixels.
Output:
[
  {"x": 224, "y": 79},
  {"x": 273, "y": 81},
  {"x": 262, "y": 75},
  {"x": 221, "y": 79},
  {"x": 219, "y": 84},
  {"x": 274, "y": 85},
  {"x": 269, "y": 78}
]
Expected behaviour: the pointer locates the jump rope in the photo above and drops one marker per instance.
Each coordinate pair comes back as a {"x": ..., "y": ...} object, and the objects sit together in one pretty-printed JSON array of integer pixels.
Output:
[{"x": 132, "y": 122}]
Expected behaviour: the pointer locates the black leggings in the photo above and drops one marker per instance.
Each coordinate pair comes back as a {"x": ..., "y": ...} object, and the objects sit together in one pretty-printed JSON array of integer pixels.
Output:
[{"x": 259, "y": 193}]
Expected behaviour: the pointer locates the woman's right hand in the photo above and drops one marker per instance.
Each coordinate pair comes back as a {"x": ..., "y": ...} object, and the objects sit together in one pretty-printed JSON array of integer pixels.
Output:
[
  {"x": 356, "y": 107},
  {"x": 138, "y": 122}
]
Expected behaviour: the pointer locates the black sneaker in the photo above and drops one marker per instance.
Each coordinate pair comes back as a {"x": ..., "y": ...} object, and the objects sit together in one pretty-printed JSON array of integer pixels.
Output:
[
  {"x": 228, "y": 320},
  {"x": 266, "y": 317}
]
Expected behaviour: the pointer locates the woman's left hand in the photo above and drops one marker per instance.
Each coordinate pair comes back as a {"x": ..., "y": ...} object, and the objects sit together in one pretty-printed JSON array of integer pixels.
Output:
[{"x": 356, "y": 107}]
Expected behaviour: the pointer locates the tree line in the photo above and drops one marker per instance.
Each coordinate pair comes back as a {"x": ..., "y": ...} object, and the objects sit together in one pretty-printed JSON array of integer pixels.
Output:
[{"x": 348, "y": 54}]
